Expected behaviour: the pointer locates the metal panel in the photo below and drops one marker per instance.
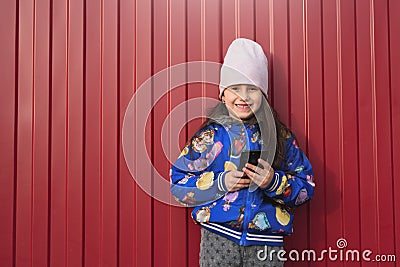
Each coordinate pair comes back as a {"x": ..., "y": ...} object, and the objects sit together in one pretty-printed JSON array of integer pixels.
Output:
[
  {"x": 394, "y": 83},
  {"x": 75, "y": 134},
  {"x": 8, "y": 134},
  {"x": 41, "y": 175},
  {"x": 69, "y": 69},
  {"x": 126, "y": 249},
  {"x": 24, "y": 137}
]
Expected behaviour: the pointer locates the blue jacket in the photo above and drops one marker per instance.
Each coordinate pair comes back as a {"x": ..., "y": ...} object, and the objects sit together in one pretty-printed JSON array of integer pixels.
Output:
[{"x": 261, "y": 217}]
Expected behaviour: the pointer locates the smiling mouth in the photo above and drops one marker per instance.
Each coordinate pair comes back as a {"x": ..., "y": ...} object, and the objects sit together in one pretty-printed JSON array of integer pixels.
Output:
[{"x": 243, "y": 106}]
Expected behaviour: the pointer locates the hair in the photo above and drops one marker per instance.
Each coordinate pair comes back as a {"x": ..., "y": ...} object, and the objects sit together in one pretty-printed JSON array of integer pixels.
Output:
[{"x": 282, "y": 132}]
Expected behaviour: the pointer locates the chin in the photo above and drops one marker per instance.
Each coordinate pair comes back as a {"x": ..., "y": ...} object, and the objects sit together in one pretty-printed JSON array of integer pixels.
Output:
[{"x": 246, "y": 117}]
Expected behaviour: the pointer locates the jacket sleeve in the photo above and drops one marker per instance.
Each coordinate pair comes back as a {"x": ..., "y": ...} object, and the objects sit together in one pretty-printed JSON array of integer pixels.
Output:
[
  {"x": 197, "y": 176},
  {"x": 294, "y": 184}
]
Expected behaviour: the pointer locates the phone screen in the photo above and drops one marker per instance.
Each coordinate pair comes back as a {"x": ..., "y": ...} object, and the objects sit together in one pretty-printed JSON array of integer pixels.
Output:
[{"x": 249, "y": 156}]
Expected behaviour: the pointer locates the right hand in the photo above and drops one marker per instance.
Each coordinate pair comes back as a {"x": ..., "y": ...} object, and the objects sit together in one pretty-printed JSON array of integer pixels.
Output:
[{"x": 236, "y": 180}]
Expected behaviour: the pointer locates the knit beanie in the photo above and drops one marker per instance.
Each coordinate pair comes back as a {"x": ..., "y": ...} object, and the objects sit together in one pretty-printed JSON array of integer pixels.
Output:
[{"x": 244, "y": 63}]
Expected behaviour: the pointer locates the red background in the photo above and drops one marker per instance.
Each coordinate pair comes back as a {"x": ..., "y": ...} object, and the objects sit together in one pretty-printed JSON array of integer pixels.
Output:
[{"x": 69, "y": 68}]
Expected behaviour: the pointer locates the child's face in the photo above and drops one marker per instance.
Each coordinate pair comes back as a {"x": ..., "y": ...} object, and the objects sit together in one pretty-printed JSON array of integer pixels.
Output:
[{"x": 242, "y": 101}]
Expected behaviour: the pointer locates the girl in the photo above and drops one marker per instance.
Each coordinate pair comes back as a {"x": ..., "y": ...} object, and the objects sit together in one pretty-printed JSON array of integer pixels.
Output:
[{"x": 242, "y": 227}]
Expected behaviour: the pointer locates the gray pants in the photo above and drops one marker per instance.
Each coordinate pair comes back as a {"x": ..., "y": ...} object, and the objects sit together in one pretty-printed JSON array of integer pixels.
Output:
[{"x": 216, "y": 250}]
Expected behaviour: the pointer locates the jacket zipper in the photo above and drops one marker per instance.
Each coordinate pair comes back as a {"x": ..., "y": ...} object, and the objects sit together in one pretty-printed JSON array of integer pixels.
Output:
[
  {"x": 247, "y": 211},
  {"x": 247, "y": 208}
]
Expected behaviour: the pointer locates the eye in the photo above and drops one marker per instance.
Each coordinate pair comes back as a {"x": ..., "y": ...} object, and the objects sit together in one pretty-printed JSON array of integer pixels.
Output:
[
  {"x": 234, "y": 88},
  {"x": 253, "y": 89}
]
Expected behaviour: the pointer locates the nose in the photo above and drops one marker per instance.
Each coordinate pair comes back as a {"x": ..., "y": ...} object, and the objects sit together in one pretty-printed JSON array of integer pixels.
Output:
[{"x": 243, "y": 94}]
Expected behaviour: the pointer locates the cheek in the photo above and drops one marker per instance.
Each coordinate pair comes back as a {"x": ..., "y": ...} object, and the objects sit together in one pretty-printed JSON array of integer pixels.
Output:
[{"x": 257, "y": 104}]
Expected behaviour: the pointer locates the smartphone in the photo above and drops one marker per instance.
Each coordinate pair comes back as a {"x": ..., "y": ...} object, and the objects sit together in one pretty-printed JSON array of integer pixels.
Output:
[{"x": 249, "y": 156}]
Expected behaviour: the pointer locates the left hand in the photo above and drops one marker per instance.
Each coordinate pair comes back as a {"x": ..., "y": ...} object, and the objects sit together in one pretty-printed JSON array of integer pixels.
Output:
[{"x": 262, "y": 177}]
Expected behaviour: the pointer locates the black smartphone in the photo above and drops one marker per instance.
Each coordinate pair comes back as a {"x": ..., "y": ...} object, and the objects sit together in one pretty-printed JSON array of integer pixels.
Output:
[{"x": 249, "y": 156}]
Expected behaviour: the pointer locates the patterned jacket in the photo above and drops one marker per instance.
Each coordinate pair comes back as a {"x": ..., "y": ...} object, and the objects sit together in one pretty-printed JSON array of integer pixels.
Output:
[{"x": 261, "y": 217}]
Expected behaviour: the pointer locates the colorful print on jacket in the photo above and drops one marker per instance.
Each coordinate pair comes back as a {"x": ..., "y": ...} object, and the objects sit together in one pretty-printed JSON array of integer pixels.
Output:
[{"x": 261, "y": 217}]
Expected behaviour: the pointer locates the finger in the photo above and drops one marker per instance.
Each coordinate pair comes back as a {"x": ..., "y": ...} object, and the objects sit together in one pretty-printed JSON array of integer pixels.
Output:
[
  {"x": 250, "y": 166},
  {"x": 258, "y": 179},
  {"x": 268, "y": 173},
  {"x": 239, "y": 181},
  {"x": 238, "y": 174},
  {"x": 266, "y": 167},
  {"x": 248, "y": 172},
  {"x": 242, "y": 185},
  {"x": 262, "y": 172},
  {"x": 264, "y": 163},
  {"x": 254, "y": 177},
  {"x": 244, "y": 181},
  {"x": 255, "y": 169}
]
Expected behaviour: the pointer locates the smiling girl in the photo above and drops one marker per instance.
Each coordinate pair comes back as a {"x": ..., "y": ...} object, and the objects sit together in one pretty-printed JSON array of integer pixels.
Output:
[{"x": 237, "y": 219}]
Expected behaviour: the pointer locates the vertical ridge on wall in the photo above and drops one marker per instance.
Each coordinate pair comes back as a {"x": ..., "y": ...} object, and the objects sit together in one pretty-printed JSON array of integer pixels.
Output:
[
  {"x": 297, "y": 104},
  {"x": 186, "y": 131},
  {"x": 127, "y": 81},
  {"x": 263, "y": 34},
  {"x": 50, "y": 118},
  {"x": 228, "y": 24},
  {"x": 92, "y": 104},
  {"x": 66, "y": 131},
  {"x": 151, "y": 125},
  {"x": 340, "y": 104},
  {"x": 109, "y": 128},
  {"x": 41, "y": 133},
  {"x": 383, "y": 125},
  {"x": 23, "y": 220},
  {"x": 349, "y": 187},
  {"x": 246, "y": 19},
  {"x": 306, "y": 78},
  {"x": 119, "y": 133},
  {"x": 280, "y": 56},
  {"x": 194, "y": 53},
  {"x": 237, "y": 19},
  {"x": 331, "y": 123},
  {"x": 315, "y": 135},
  {"x": 288, "y": 108},
  {"x": 15, "y": 140},
  {"x": 142, "y": 70},
  {"x": 161, "y": 47},
  {"x": 306, "y": 100},
  {"x": 178, "y": 235},
  {"x": 84, "y": 89},
  {"x": 32, "y": 162},
  {"x": 394, "y": 42},
  {"x": 101, "y": 167},
  {"x": 76, "y": 132},
  {"x": 58, "y": 145},
  {"x": 391, "y": 120},
  {"x": 203, "y": 48},
  {"x": 374, "y": 107},
  {"x": 357, "y": 120},
  {"x": 8, "y": 125},
  {"x": 33, "y": 130},
  {"x": 366, "y": 137}
]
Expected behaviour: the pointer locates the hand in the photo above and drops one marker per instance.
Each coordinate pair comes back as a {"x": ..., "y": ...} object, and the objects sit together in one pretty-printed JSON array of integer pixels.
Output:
[
  {"x": 262, "y": 177},
  {"x": 234, "y": 181}
]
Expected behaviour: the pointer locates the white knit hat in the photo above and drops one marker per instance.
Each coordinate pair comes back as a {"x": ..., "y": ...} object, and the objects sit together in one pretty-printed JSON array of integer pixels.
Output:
[{"x": 244, "y": 63}]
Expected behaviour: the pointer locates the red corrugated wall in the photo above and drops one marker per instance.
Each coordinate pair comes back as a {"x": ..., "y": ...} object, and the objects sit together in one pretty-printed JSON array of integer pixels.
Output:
[{"x": 69, "y": 69}]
